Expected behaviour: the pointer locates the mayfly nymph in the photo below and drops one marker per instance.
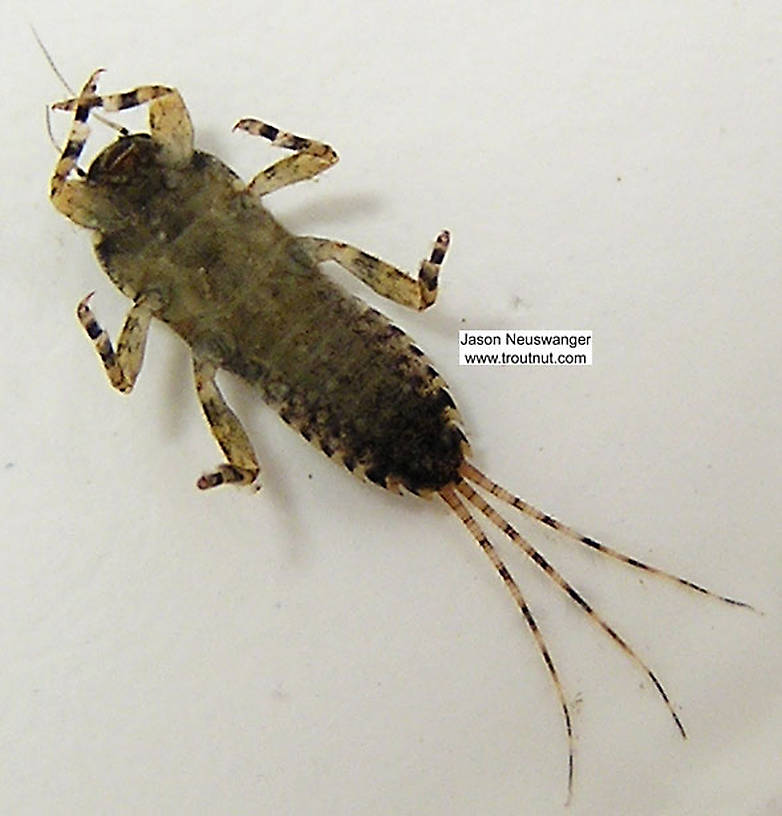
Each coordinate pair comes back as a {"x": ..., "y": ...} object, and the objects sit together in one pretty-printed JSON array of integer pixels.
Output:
[{"x": 192, "y": 245}]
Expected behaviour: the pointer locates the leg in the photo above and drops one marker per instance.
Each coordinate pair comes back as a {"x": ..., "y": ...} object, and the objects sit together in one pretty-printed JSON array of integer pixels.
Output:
[
  {"x": 242, "y": 466},
  {"x": 169, "y": 121},
  {"x": 71, "y": 197},
  {"x": 385, "y": 279},
  {"x": 309, "y": 158},
  {"x": 123, "y": 366}
]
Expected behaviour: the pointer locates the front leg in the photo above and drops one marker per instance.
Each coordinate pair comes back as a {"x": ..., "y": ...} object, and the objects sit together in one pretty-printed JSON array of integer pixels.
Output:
[
  {"x": 169, "y": 126},
  {"x": 309, "y": 159},
  {"x": 169, "y": 122}
]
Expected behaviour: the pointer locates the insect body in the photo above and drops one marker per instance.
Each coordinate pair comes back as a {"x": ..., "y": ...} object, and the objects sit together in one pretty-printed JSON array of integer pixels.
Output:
[{"x": 191, "y": 244}]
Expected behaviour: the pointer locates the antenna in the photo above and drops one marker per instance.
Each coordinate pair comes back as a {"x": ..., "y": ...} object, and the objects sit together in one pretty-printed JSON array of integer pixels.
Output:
[{"x": 113, "y": 125}]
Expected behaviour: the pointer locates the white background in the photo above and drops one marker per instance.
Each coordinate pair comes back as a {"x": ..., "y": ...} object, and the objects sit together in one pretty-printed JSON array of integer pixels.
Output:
[{"x": 323, "y": 647}]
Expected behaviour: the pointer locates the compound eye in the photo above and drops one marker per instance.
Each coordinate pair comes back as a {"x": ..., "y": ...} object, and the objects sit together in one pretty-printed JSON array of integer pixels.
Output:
[
  {"x": 120, "y": 162},
  {"x": 117, "y": 161}
]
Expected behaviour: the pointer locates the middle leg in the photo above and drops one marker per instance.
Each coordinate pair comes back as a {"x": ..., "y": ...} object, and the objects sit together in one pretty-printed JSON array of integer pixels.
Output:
[
  {"x": 123, "y": 366},
  {"x": 309, "y": 159}
]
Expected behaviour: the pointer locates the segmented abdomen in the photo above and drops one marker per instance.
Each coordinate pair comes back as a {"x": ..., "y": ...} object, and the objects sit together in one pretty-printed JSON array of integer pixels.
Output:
[{"x": 349, "y": 381}]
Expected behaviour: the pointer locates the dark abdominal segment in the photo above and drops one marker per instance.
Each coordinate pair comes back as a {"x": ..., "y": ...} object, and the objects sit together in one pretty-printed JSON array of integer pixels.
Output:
[{"x": 421, "y": 446}]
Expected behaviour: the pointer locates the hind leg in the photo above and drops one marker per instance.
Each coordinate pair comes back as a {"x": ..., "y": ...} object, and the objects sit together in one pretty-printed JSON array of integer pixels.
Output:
[
  {"x": 389, "y": 281},
  {"x": 242, "y": 466}
]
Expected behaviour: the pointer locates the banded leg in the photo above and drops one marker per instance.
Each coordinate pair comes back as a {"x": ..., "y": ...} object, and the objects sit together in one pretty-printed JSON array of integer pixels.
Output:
[
  {"x": 76, "y": 138},
  {"x": 71, "y": 197},
  {"x": 169, "y": 121},
  {"x": 242, "y": 466},
  {"x": 309, "y": 159},
  {"x": 386, "y": 280},
  {"x": 122, "y": 366}
]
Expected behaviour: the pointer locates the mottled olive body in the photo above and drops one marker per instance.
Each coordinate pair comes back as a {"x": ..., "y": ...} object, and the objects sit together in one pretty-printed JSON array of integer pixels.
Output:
[
  {"x": 192, "y": 245},
  {"x": 236, "y": 286}
]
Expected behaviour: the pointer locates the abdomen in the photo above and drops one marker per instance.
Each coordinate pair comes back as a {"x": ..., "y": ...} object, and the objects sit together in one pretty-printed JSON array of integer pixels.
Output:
[{"x": 348, "y": 380}]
